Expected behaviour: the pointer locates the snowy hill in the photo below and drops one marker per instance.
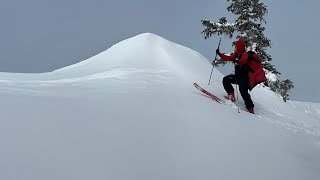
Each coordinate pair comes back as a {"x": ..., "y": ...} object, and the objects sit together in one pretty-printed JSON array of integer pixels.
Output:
[{"x": 131, "y": 112}]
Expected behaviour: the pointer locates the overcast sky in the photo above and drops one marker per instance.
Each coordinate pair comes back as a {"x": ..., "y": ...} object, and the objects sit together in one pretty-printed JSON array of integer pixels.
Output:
[{"x": 42, "y": 35}]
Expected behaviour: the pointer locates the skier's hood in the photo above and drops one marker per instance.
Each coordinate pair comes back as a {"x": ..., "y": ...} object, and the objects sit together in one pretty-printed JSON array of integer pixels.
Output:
[{"x": 241, "y": 46}]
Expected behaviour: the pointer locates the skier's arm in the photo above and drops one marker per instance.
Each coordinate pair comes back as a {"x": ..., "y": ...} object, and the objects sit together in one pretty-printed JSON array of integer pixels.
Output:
[{"x": 226, "y": 57}]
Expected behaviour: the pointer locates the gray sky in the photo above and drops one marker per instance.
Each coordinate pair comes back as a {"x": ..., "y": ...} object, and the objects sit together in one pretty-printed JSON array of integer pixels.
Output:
[{"x": 43, "y": 35}]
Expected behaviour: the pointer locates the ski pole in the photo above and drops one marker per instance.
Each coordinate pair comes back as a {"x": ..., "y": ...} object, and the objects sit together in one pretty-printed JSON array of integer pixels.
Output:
[
  {"x": 214, "y": 61},
  {"x": 237, "y": 98},
  {"x": 235, "y": 79}
]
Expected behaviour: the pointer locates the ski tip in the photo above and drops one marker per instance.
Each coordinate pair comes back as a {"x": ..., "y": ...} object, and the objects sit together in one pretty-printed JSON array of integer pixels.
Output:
[{"x": 196, "y": 85}]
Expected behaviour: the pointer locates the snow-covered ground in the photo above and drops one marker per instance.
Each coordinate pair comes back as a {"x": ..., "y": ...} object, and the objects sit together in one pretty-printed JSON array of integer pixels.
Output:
[{"x": 132, "y": 112}]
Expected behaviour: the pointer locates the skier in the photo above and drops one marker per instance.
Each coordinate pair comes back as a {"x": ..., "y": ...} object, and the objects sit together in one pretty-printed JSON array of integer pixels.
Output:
[{"x": 242, "y": 75}]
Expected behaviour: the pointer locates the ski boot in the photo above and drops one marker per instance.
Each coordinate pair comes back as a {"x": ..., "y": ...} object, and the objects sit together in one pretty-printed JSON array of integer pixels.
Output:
[
  {"x": 231, "y": 96},
  {"x": 250, "y": 110}
]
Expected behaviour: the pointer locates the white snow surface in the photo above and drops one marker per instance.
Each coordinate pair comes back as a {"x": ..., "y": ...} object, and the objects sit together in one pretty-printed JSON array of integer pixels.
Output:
[{"x": 132, "y": 112}]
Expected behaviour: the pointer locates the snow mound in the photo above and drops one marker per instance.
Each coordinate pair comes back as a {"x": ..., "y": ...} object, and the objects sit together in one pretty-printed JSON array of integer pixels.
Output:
[
  {"x": 131, "y": 112},
  {"x": 145, "y": 52}
]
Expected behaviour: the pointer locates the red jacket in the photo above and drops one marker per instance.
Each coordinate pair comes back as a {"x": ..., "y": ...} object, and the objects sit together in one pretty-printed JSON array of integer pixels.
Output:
[{"x": 255, "y": 77}]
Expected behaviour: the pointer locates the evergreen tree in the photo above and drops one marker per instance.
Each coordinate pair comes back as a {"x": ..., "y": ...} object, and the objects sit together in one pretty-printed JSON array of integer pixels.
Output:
[
  {"x": 248, "y": 27},
  {"x": 282, "y": 87}
]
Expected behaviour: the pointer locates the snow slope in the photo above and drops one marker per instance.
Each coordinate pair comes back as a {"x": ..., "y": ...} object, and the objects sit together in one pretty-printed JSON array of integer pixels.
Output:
[{"x": 131, "y": 112}]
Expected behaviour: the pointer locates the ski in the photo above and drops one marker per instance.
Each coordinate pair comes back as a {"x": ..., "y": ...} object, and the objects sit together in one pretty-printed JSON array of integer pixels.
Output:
[{"x": 216, "y": 98}]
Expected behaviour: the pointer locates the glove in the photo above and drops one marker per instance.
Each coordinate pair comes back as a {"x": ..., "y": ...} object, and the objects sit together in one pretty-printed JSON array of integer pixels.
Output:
[
  {"x": 235, "y": 61},
  {"x": 218, "y": 51}
]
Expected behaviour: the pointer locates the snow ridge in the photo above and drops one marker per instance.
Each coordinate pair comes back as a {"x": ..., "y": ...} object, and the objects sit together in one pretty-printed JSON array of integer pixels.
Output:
[{"x": 132, "y": 112}]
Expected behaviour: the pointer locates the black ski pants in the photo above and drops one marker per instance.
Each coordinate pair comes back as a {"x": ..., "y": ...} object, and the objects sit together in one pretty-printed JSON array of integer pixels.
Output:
[{"x": 243, "y": 82}]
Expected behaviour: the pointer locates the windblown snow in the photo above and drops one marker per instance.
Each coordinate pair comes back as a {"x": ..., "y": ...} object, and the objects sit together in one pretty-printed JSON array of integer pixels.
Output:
[{"x": 131, "y": 112}]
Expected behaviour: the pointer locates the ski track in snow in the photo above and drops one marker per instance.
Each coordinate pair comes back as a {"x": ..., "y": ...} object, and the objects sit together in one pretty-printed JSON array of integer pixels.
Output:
[
  {"x": 297, "y": 117},
  {"x": 302, "y": 125}
]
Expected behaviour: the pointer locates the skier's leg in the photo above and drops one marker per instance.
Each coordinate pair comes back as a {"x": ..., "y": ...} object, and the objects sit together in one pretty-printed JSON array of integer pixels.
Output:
[
  {"x": 227, "y": 83},
  {"x": 243, "y": 88}
]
